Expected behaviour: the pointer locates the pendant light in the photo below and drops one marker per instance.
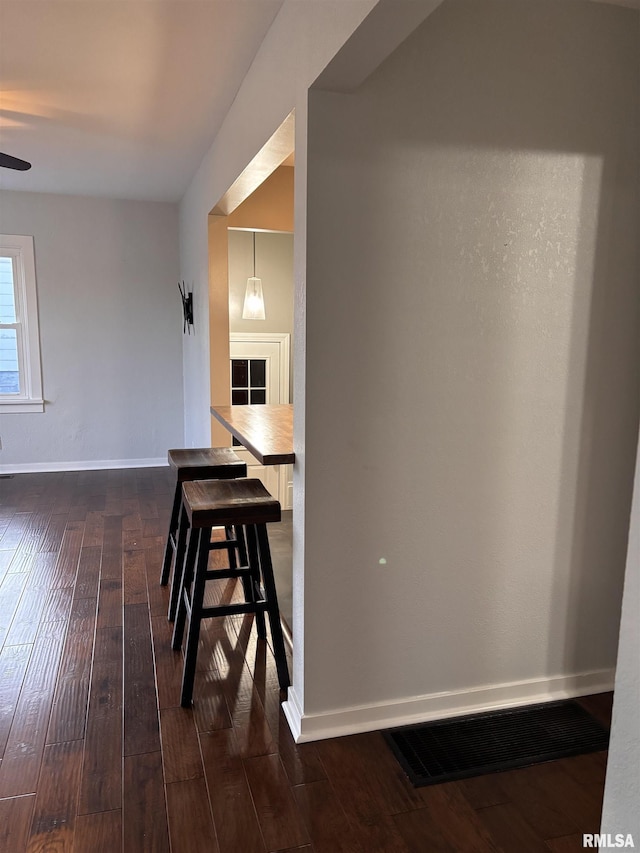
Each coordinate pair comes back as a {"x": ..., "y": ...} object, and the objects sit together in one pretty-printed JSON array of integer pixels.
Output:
[{"x": 253, "y": 308}]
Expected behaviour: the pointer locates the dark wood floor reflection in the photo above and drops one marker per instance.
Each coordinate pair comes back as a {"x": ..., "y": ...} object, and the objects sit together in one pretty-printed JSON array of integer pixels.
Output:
[{"x": 98, "y": 757}]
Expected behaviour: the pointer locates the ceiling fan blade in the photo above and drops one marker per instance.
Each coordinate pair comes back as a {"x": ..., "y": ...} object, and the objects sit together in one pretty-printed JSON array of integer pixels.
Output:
[{"x": 9, "y": 162}]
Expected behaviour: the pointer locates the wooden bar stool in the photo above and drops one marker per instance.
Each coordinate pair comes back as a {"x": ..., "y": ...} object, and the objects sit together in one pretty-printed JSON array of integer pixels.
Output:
[
  {"x": 244, "y": 504},
  {"x": 205, "y": 463}
]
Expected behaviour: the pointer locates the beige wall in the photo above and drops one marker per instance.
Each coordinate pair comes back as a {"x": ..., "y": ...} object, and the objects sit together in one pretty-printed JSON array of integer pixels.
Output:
[
  {"x": 270, "y": 206},
  {"x": 218, "y": 326}
]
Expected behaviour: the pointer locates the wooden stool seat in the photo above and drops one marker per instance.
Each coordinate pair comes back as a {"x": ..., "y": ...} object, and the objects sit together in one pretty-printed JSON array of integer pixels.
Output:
[
  {"x": 212, "y": 503},
  {"x": 246, "y": 507},
  {"x": 189, "y": 464},
  {"x": 206, "y": 463}
]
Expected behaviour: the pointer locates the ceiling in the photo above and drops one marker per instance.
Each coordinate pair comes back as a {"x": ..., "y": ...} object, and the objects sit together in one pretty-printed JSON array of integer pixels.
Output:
[{"x": 120, "y": 98}]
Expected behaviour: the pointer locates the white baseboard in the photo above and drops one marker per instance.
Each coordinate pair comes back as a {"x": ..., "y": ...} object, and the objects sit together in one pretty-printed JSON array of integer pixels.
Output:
[
  {"x": 435, "y": 706},
  {"x": 293, "y": 713},
  {"x": 91, "y": 465}
]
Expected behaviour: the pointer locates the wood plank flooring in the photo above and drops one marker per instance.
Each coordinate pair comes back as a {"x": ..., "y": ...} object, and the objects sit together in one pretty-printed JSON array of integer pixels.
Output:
[{"x": 96, "y": 756}]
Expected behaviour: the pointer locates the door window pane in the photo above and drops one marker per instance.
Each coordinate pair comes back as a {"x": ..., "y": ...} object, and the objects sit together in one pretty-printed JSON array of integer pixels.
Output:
[
  {"x": 239, "y": 373},
  {"x": 258, "y": 373},
  {"x": 258, "y": 396},
  {"x": 239, "y": 398}
]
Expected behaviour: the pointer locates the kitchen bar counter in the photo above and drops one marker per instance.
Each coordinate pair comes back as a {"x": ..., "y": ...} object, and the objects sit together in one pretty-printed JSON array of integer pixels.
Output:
[{"x": 266, "y": 431}]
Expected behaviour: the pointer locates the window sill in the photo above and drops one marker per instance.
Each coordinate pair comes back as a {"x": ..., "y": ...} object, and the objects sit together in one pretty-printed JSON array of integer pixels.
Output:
[{"x": 15, "y": 407}]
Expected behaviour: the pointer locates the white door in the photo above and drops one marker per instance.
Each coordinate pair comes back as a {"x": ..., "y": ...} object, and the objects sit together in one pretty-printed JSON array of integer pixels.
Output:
[{"x": 260, "y": 374}]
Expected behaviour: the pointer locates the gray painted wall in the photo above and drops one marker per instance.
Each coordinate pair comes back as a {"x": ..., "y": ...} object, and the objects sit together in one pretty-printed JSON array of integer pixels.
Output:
[
  {"x": 472, "y": 363},
  {"x": 110, "y": 328}
]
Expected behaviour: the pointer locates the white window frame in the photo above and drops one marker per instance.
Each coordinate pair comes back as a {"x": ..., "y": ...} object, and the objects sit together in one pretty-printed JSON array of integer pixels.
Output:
[{"x": 29, "y": 399}]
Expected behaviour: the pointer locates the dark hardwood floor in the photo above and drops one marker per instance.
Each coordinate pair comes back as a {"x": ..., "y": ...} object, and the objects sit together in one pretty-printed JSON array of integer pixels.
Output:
[{"x": 98, "y": 757}]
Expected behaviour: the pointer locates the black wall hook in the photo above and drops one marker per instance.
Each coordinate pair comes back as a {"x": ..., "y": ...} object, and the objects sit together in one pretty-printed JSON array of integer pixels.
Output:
[{"x": 187, "y": 308}]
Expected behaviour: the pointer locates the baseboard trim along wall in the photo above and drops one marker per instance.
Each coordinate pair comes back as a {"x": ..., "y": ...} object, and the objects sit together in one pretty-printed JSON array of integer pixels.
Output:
[
  {"x": 90, "y": 465},
  {"x": 420, "y": 709}
]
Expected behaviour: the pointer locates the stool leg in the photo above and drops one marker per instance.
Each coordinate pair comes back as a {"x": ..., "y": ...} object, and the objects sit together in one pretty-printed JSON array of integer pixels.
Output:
[
  {"x": 242, "y": 545},
  {"x": 173, "y": 526},
  {"x": 193, "y": 634},
  {"x": 272, "y": 609},
  {"x": 176, "y": 582},
  {"x": 185, "y": 586},
  {"x": 247, "y": 583},
  {"x": 233, "y": 551},
  {"x": 254, "y": 579}
]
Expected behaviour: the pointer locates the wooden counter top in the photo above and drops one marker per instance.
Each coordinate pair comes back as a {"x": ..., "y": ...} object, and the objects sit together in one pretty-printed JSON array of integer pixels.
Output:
[{"x": 266, "y": 431}]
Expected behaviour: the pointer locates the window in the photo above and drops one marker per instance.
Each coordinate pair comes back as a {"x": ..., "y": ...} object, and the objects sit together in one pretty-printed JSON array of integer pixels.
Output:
[
  {"x": 248, "y": 383},
  {"x": 20, "y": 373}
]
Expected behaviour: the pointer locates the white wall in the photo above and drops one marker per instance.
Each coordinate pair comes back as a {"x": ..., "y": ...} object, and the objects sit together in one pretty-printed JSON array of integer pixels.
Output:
[
  {"x": 110, "y": 328},
  {"x": 471, "y": 365}
]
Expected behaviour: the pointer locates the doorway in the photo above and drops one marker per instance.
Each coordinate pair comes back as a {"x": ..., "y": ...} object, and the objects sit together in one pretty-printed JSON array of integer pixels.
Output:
[{"x": 259, "y": 202}]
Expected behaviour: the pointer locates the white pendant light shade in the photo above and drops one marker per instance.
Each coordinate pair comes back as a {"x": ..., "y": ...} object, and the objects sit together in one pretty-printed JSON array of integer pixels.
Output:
[{"x": 253, "y": 308}]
